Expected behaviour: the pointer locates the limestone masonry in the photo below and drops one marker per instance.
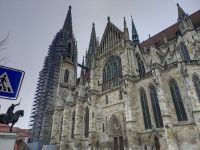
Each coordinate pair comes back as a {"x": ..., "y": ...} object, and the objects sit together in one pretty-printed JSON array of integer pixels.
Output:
[{"x": 130, "y": 95}]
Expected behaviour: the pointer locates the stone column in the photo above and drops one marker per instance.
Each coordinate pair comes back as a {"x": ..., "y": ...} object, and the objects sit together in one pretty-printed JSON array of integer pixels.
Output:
[
  {"x": 170, "y": 134},
  {"x": 131, "y": 123}
]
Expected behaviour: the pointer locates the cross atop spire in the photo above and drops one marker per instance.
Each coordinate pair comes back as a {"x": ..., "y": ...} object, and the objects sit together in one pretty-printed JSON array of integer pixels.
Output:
[
  {"x": 135, "y": 37},
  {"x": 181, "y": 12},
  {"x": 68, "y": 22}
]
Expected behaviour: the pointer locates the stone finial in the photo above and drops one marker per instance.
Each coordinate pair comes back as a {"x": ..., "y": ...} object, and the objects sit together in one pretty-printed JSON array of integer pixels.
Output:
[{"x": 108, "y": 18}]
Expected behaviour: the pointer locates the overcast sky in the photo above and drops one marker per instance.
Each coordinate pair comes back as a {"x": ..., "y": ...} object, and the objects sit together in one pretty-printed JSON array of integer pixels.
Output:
[{"x": 32, "y": 24}]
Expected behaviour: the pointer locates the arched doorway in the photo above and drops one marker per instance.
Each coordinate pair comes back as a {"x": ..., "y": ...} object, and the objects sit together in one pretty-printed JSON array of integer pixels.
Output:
[{"x": 115, "y": 132}]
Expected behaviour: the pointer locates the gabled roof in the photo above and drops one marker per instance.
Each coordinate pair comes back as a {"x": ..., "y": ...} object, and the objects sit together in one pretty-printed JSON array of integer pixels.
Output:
[
  {"x": 171, "y": 32},
  {"x": 110, "y": 27}
]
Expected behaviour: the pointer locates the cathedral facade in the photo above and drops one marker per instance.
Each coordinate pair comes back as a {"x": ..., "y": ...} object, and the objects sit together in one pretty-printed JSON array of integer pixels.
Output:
[{"x": 130, "y": 95}]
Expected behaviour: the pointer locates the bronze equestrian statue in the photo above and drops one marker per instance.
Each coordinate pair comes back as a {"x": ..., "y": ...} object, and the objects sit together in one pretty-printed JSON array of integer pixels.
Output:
[{"x": 11, "y": 117}]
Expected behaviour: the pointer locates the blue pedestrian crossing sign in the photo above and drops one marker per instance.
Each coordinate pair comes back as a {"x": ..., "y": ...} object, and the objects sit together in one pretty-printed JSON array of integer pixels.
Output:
[{"x": 10, "y": 82}]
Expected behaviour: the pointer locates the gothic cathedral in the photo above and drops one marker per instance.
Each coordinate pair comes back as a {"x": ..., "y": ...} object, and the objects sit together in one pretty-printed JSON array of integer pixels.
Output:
[{"x": 130, "y": 95}]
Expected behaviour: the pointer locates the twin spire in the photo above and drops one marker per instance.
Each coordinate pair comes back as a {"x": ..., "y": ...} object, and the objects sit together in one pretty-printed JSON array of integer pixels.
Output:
[
  {"x": 68, "y": 22},
  {"x": 93, "y": 41}
]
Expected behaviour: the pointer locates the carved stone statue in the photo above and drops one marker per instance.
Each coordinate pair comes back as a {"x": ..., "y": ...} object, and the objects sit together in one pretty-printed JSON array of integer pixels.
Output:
[{"x": 11, "y": 117}]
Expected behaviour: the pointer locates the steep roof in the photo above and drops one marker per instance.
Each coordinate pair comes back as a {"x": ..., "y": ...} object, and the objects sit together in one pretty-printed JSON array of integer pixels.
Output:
[
  {"x": 171, "y": 32},
  {"x": 110, "y": 27}
]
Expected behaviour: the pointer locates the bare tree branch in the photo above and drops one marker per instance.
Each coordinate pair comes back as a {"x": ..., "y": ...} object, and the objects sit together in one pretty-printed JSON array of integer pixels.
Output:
[{"x": 3, "y": 43}]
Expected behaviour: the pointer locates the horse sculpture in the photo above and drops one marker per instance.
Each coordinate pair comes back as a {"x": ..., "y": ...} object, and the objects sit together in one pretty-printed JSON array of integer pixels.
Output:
[{"x": 4, "y": 118}]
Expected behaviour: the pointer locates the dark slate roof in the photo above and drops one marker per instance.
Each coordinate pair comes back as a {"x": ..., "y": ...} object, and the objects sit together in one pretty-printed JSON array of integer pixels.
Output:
[{"x": 171, "y": 32}]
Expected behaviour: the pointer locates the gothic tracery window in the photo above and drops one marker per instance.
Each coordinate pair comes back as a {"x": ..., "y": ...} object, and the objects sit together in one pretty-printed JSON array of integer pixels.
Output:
[
  {"x": 86, "y": 122},
  {"x": 145, "y": 109},
  {"x": 184, "y": 52},
  {"x": 177, "y": 100},
  {"x": 112, "y": 73},
  {"x": 66, "y": 76},
  {"x": 155, "y": 106},
  {"x": 196, "y": 83},
  {"x": 141, "y": 68}
]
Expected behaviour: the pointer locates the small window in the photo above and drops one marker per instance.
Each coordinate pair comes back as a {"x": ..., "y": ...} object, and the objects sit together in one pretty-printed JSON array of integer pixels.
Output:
[
  {"x": 103, "y": 128},
  {"x": 69, "y": 50},
  {"x": 120, "y": 95},
  {"x": 106, "y": 99},
  {"x": 66, "y": 76}
]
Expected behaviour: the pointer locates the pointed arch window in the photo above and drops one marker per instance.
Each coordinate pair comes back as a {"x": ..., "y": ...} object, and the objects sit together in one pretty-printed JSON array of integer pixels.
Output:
[
  {"x": 73, "y": 125},
  {"x": 86, "y": 122},
  {"x": 177, "y": 100},
  {"x": 141, "y": 68},
  {"x": 66, "y": 76},
  {"x": 184, "y": 52},
  {"x": 112, "y": 72},
  {"x": 196, "y": 83},
  {"x": 155, "y": 106},
  {"x": 69, "y": 50},
  {"x": 145, "y": 109}
]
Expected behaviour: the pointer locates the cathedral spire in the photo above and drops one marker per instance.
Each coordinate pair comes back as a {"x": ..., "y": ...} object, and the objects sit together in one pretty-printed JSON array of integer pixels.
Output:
[
  {"x": 181, "y": 12},
  {"x": 93, "y": 40},
  {"x": 126, "y": 33},
  {"x": 92, "y": 47},
  {"x": 68, "y": 22},
  {"x": 135, "y": 37}
]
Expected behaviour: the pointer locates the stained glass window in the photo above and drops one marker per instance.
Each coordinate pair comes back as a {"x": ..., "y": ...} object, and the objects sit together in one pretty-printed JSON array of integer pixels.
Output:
[
  {"x": 145, "y": 109},
  {"x": 112, "y": 72},
  {"x": 155, "y": 106},
  {"x": 177, "y": 100},
  {"x": 196, "y": 82}
]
